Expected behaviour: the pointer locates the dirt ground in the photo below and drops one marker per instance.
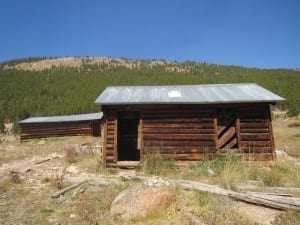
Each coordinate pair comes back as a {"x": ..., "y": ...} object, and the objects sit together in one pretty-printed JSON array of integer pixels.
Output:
[{"x": 26, "y": 198}]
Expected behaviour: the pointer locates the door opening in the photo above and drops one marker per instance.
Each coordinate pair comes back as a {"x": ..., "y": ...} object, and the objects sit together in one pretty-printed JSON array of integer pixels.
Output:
[
  {"x": 226, "y": 130},
  {"x": 128, "y": 123}
]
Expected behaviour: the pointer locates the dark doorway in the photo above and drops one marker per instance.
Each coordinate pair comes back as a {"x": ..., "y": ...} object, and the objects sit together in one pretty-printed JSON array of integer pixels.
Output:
[{"x": 128, "y": 123}]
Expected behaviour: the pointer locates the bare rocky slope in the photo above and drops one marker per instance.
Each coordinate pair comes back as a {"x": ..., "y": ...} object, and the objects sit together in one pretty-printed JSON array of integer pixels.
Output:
[{"x": 76, "y": 62}]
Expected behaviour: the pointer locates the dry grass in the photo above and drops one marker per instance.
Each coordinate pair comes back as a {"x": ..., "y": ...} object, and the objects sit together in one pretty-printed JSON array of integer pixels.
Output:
[
  {"x": 16, "y": 150},
  {"x": 157, "y": 164},
  {"x": 34, "y": 206},
  {"x": 71, "y": 155},
  {"x": 287, "y": 136},
  {"x": 29, "y": 202}
]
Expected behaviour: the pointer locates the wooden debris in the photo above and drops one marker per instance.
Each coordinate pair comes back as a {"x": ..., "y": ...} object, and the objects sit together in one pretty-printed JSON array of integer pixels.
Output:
[
  {"x": 42, "y": 160},
  {"x": 93, "y": 181},
  {"x": 67, "y": 189},
  {"x": 268, "y": 189},
  {"x": 22, "y": 168},
  {"x": 273, "y": 201},
  {"x": 269, "y": 193}
]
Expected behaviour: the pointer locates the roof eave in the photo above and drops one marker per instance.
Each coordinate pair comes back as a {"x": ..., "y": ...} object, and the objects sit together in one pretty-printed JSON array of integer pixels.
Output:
[{"x": 188, "y": 103}]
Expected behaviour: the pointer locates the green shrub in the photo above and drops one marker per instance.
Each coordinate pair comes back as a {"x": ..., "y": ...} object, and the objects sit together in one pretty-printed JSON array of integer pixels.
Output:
[{"x": 226, "y": 170}]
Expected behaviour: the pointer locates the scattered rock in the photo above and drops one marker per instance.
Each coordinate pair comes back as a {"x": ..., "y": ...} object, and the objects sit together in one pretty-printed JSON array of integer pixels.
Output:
[
  {"x": 266, "y": 168},
  {"x": 61, "y": 199},
  {"x": 211, "y": 172},
  {"x": 72, "y": 170},
  {"x": 138, "y": 201},
  {"x": 281, "y": 155},
  {"x": 73, "y": 216},
  {"x": 41, "y": 142}
]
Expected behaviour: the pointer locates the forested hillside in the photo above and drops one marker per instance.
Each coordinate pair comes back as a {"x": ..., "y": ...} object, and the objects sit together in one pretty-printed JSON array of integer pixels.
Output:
[{"x": 67, "y": 90}]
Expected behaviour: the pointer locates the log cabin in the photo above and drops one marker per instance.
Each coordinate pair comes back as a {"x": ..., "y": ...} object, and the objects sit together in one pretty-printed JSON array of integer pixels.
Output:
[
  {"x": 59, "y": 126},
  {"x": 186, "y": 122}
]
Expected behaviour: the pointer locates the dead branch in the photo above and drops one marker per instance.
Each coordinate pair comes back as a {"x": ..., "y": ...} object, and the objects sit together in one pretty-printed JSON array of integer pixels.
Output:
[
  {"x": 39, "y": 161},
  {"x": 269, "y": 189},
  {"x": 67, "y": 189},
  {"x": 93, "y": 181}
]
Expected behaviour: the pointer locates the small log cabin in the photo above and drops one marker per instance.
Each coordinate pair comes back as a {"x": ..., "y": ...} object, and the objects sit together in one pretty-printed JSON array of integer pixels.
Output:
[
  {"x": 59, "y": 126},
  {"x": 186, "y": 122}
]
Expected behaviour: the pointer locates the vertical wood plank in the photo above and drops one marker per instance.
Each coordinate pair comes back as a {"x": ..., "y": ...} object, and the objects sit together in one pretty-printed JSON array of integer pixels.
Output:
[
  {"x": 141, "y": 139},
  {"x": 238, "y": 130},
  {"x": 267, "y": 107},
  {"x": 115, "y": 138},
  {"x": 104, "y": 143},
  {"x": 216, "y": 130}
]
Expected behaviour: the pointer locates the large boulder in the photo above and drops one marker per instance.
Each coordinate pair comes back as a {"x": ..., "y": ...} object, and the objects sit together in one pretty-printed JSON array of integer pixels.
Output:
[{"x": 138, "y": 201}]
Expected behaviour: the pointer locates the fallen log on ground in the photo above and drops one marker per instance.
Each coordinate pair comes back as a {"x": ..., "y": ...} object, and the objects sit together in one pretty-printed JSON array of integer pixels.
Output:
[
  {"x": 269, "y": 189},
  {"x": 273, "y": 201},
  {"x": 92, "y": 180},
  {"x": 65, "y": 190}
]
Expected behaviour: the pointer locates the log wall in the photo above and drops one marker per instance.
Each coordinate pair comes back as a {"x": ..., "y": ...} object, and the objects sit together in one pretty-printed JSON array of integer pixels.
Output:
[
  {"x": 183, "y": 133},
  {"x": 110, "y": 153},
  {"x": 193, "y": 132},
  {"x": 59, "y": 129},
  {"x": 256, "y": 133}
]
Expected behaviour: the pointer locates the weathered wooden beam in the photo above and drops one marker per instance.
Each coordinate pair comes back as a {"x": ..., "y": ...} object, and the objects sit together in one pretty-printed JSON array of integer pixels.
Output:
[
  {"x": 278, "y": 202},
  {"x": 173, "y": 130},
  {"x": 180, "y": 137},
  {"x": 164, "y": 143},
  {"x": 225, "y": 137},
  {"x": 67, "y": 189}
]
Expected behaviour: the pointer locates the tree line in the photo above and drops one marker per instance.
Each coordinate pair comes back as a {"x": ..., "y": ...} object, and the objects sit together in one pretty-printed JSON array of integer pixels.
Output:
[{"x": 65, "y": 90}]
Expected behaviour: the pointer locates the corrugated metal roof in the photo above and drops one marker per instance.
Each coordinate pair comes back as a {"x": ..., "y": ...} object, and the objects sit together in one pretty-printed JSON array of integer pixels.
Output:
[
  {"x": 187, "y": 94},
  {"x": 66, "y": 118}
]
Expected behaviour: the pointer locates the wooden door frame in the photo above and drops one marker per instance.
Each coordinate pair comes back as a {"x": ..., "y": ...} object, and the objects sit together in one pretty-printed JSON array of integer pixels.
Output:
[{"x": 138, "y": 113}]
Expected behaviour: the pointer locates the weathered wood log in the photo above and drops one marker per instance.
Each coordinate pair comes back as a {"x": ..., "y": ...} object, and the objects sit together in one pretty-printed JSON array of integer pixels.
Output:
[
  {"x": 273, "y": 203},
  {"x": 181, "y": 143},
  {"x": 278, "y": 202},
  {"x": 268, "y": 193},
  {"x": 175, "y": 130},
  {"x": 180, "y": 137},
  {"x": 95, "y": 181},
  {"x": 177, "y": 149},
  {"x": 67, "y": 189},
  {"x": 256, "y": 125},
  {"x": 269, "y": 189}
]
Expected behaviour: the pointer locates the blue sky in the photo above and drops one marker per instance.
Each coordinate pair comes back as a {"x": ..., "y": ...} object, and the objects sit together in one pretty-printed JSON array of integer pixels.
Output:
[{"x": 257, "y": 33}]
